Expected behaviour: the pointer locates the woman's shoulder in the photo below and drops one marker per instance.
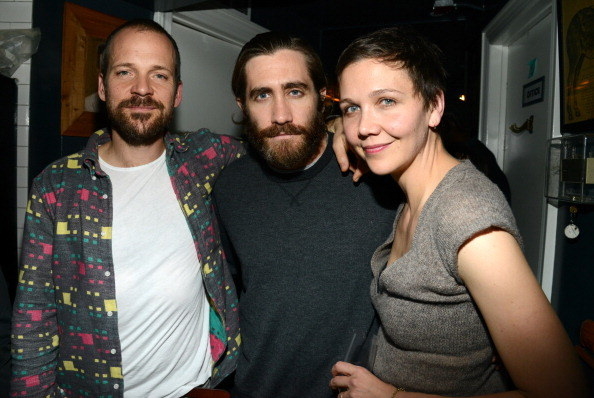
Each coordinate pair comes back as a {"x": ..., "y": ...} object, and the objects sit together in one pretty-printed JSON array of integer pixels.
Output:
[
  {"x": 466, "y": 190},
  {"x": 465, "y": 203}
]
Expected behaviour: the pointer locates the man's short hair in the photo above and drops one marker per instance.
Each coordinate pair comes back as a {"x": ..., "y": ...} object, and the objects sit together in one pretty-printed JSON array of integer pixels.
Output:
[
  {"x": 401, "y": 47},
  {"x": 267, "y": 44},
  {"x": 139, "y": 25}
]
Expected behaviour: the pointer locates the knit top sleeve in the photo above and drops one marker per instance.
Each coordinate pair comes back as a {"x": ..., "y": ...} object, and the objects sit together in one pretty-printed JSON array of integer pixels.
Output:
[{"x": 467, "y": 203}]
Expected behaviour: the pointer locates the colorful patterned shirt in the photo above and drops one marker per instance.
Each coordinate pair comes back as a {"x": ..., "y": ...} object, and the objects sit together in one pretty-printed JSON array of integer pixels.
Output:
[{"x": 65, "y": 336}]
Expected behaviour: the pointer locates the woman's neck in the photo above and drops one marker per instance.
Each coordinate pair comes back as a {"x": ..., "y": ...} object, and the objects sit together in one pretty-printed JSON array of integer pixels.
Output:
[{"x": 423, "y": 175}]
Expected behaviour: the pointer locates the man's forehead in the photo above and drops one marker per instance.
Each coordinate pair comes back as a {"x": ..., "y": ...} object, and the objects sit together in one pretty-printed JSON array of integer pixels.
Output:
[
  {"x": 142, "y": 40},
  {"x": 283, "y": 67}
]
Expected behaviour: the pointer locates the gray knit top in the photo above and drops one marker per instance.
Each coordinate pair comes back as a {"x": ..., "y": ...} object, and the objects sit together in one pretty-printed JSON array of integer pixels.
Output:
[{"x": 433, "y": 339}]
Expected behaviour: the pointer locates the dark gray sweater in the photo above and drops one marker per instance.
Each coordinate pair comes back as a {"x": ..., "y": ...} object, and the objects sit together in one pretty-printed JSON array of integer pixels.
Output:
[{"x": 302, "y": 243}]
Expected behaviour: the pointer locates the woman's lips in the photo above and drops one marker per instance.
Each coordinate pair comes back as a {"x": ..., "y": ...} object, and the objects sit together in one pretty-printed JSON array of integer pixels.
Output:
[{"x": 370, "y": 149}]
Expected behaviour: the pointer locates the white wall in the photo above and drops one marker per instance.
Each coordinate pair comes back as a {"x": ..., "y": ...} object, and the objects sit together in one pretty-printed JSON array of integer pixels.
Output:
[
  {"x": 209, "y": 42},
  {"x": 17, "y": 14}
]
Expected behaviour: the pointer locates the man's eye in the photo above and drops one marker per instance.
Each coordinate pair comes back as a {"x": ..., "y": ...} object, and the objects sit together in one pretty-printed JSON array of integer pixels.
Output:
[
  {"x": 122, "y": 73},
  {"x": 387, "y": 101},
  {"x": 295, "y": 93},
  {"x": 262, "y": 96}
]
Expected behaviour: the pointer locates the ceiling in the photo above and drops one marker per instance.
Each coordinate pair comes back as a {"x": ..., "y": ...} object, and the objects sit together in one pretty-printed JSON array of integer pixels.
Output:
[
  {"x": 328, "y": 15},
  {"x": 329, "y": 25}
]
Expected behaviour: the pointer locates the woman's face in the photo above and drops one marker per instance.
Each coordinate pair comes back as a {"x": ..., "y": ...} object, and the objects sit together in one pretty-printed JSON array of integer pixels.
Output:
[{"x": 385, "y": 120}]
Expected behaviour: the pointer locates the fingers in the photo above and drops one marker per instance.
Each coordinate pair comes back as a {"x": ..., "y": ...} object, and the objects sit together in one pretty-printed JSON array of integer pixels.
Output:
[
  {"x": 340, "y": 379},
  {"x": 357, "y": 174},
  {"x": 360, "y": 170},
  {"x": 339, "y": 383},
  {"x": 342, "y": 368},
  {"x": 340, "y": 150},
  {"x": 340, "y": 145}
]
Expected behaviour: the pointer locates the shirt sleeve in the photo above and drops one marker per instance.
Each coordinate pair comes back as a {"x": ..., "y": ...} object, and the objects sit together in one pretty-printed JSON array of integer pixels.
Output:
[
  {"x": 228, "y": 148},
  {"x": 228, "y": 250},
  {"x": 34, "y": 327},
  {"x": 5, "y": 311}
]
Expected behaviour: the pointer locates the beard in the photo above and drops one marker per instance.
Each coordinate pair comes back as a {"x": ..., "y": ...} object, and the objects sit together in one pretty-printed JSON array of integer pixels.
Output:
[
  {"x": 141, "y": 128},
  {"x": 290, "y": 154}
]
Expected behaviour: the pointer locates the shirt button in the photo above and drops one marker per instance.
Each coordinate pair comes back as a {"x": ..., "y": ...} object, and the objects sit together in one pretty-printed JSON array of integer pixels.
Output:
[
  {"x": 116, "y": 386},
  {"x": 94, "y": 178},
  {"x": 104, "y": 196},
  {"x": 107, "y": 273},
  {"x": 113, "y": 351},
  {"x": 109, "y": 313}
]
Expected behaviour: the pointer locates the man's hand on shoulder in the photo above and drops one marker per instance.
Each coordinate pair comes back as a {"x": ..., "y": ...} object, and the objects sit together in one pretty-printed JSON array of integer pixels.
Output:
[{"x": 346, "y": 157}]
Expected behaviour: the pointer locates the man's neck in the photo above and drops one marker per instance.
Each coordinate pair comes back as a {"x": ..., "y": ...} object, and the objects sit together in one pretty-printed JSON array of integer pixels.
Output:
[
  {"x": 120, "y": 154},
  {"x": 319, "y": 154}
]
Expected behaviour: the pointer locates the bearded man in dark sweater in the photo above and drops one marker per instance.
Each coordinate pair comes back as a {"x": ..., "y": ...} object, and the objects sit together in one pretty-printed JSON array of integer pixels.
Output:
[{"x": 299, "y": 233}]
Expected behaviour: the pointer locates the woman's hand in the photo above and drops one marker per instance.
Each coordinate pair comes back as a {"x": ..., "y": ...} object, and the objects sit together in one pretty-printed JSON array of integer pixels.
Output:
[{"x": 357, "y": 382}]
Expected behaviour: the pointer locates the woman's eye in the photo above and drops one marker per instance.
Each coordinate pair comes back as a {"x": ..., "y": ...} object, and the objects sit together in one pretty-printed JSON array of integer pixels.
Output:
[{"x": 349, "y": 109}]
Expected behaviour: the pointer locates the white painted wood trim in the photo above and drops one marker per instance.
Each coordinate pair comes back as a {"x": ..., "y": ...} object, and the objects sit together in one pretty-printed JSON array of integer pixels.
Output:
[
  {"x": 165, "y": 19},
  {"x": 493, "y": 86},
  {"x": 513, "y": 21},
  {"x": 550, "y": 241},
  {"x": 225, "y": 24}
]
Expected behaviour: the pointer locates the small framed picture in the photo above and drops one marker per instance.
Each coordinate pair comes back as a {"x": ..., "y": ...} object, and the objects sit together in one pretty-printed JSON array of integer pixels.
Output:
[
  {"x": 84, "y": 33},
  {"x": 576, "y": 58}
]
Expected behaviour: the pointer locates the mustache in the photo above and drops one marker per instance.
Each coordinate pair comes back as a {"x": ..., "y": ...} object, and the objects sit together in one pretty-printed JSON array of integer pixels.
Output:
[
  {"x": 137, "y": 100},
  {"x": 275, "y": 130}
]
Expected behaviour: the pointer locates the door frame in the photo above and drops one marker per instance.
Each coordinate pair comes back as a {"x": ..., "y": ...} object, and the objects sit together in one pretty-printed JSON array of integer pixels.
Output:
[
  {"x": 227, "y": 25},
  {"x": 514, "y": 20}
]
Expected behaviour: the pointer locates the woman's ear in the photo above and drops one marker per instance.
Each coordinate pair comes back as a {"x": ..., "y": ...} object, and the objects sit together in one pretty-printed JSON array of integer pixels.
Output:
[{"x": 437, "y": 109}]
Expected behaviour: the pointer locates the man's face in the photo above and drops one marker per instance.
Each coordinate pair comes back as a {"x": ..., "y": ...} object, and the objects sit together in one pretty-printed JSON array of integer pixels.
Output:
[
  {"x": 140, "y": 89},
  {"x": 281, "y": 104}
]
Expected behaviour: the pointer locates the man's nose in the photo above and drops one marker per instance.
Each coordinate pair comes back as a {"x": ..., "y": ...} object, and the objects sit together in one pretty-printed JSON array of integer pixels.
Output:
[
  {"x": 281, "y": 112},
  {"x": 142, "y": 86}
]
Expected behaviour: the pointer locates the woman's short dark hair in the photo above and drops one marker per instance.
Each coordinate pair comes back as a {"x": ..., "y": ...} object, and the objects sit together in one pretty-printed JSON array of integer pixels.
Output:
[
  {"x": 139, "y": 25},
  {"x": 267, "y": 44},
  {"x": 404, "y": 48}
]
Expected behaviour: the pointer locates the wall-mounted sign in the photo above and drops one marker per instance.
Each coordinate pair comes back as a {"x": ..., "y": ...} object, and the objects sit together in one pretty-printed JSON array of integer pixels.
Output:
[{"x": 533, "y": 92}]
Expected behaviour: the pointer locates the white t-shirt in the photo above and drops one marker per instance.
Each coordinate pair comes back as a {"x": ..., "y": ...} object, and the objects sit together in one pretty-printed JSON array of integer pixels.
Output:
[{"x": 163, "y": 313}]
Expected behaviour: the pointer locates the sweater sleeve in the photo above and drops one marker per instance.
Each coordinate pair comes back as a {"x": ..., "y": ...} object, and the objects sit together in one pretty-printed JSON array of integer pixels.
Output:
[{"x": 35, "y": 338}]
